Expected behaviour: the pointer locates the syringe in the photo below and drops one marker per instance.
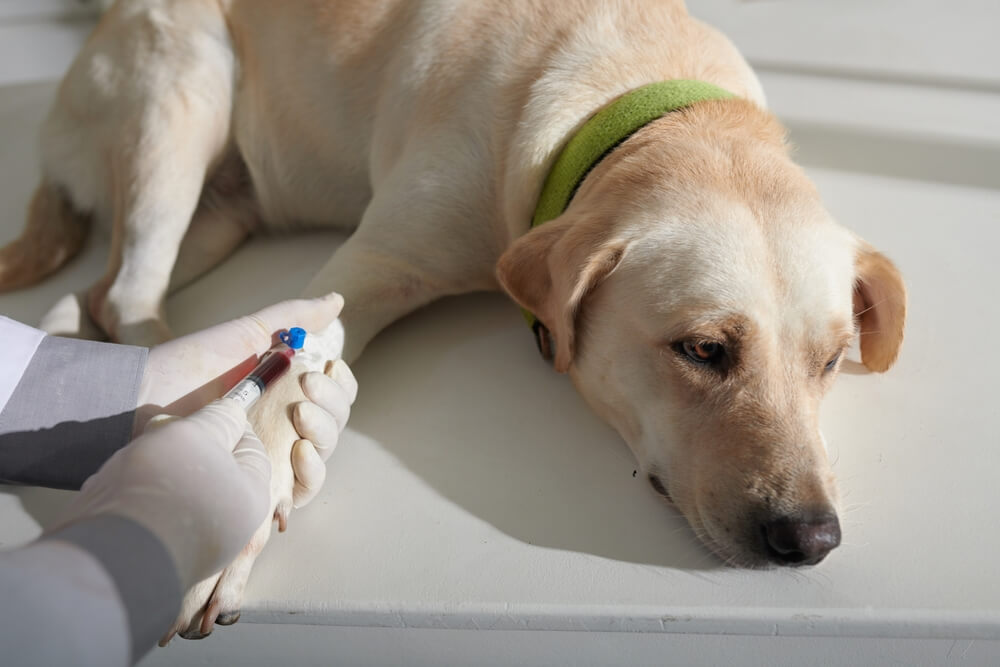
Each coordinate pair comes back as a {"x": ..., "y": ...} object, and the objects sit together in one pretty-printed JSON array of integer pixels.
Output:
[{"x": 272, "y": 366}]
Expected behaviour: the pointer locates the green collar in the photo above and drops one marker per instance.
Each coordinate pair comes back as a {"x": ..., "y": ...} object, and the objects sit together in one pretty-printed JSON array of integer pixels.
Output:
[{"x": 600, "y": 135}]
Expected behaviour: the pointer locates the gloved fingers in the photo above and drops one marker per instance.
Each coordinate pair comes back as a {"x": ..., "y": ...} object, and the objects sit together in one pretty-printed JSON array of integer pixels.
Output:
[
  {"x": 222, "y": 422},
  {"x": 251, "y": 456},
  {"x": 310, "y": 472},
  {"x": 310, "y": 314},
  {"x": 342, "y": 374},
  {"x": 315, "y": 424},
  {"x": 158, "y": 421},
  {"x": 327, "y": 393}
]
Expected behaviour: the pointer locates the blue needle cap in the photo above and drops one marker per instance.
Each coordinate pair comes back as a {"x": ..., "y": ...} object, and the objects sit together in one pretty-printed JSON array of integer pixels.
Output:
[{"x": 293, "y": 338}]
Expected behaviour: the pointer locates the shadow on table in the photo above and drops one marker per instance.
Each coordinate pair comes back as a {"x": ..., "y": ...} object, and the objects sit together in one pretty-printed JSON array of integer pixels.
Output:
[
  {"x": 459, "y": 394},
  {"x": 479, "y": 416}
]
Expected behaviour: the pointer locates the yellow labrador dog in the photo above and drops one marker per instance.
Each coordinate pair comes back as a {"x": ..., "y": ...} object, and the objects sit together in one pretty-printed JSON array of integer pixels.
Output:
[{"x": 695, "y": 289}]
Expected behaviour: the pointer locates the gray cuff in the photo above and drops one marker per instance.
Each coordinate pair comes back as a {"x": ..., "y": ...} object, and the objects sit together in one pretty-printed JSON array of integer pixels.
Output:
[
  {"x": 140, "y": 566},
  {"x": 72, "y": 409}
]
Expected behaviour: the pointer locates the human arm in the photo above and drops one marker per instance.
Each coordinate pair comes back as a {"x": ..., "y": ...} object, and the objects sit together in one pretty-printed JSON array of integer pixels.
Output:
[
  {"x": 164, "y": 512},
  {"x": 74, "y": 403},
  {"x": 74, "y": 598},
  {"x": 66, "y": 405}
]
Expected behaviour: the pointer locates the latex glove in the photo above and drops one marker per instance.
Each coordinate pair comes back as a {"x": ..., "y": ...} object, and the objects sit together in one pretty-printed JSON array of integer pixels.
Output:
[
  {"x": 186, "y": 373},
  {"x": 201, "y": 484},
  {"x": 320, "y": 434}
]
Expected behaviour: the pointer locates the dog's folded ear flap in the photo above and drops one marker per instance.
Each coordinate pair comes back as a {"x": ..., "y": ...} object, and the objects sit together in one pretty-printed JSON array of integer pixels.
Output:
[
  {"x": 550, "y": 271},
  {"x": 880, "y": 308}
]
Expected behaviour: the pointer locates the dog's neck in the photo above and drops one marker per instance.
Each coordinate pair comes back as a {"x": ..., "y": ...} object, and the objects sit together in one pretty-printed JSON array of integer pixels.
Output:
[
  {"x": 599, "y": 137},
  {"x": 609, "y": 128}
]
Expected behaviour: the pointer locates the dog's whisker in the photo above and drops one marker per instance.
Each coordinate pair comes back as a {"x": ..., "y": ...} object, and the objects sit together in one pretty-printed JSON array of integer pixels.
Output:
[
  {"x": 874, "y": 305},
  {"x": 854, "y": 507}
]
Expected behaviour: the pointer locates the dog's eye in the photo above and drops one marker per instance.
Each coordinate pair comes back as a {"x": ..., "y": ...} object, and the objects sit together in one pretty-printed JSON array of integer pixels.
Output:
[
  {"x": 703, "y": 352},
  {"x": 830, "y": 365}
]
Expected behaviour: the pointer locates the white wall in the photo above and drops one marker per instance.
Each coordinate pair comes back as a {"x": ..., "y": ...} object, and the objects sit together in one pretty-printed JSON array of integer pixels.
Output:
[
  {"x": 905, "y": 88},
  {"x": 941, "y": 43}
]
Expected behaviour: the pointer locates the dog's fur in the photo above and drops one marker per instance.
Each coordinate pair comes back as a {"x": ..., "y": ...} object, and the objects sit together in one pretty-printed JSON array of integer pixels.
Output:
[{"x": 429, "y": 126}]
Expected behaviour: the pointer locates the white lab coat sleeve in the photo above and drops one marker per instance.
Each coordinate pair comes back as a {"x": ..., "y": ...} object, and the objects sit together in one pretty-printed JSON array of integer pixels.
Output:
[{"x": 18, "y": 343}]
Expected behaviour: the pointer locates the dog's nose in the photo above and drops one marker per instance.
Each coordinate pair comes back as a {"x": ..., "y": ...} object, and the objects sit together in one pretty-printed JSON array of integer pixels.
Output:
[{"x": 802, "y": 539}]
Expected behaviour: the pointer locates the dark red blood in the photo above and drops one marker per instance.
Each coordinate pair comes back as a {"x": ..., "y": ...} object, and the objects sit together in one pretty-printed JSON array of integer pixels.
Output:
[{"x": 273, "y": 365}]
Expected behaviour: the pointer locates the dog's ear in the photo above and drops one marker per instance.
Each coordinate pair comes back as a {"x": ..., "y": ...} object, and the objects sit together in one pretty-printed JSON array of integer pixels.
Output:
[
  {"x": 880, "y": 308},
  {"x": 550, "y": 271}
]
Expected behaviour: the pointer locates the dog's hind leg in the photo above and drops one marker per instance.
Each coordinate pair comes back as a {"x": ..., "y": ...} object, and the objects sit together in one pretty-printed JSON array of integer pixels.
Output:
[
  {"x": 54, "y": 234},
  {"x": 140, "y": 122},
  {"x": 226, "y": 214},
  {"x": 157, "y": 190},
  {"x": 69, "y": 318}
]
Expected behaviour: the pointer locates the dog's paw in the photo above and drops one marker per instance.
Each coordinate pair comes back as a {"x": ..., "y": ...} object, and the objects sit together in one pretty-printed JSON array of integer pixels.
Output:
[
  {"x": 125, "y": 316},
  {"x": 144, "y": 333},
  {"x": 193, "y": 606},
  {"x": 70, "y": 318},
  {"x": 219, "y": 599}
]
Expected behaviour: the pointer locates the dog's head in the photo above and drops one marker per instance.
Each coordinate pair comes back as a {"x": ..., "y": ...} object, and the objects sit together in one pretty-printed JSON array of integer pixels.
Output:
[{"x": 702, "y": 300}]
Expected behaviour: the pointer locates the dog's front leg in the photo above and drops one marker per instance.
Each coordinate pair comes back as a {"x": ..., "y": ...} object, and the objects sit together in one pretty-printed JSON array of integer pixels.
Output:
[
  {"x": 378, "y": 289},
  {"x": 218, "y": 599},
  {"x": 388, "y": 268},
  {"x": 404, "y": 255}
]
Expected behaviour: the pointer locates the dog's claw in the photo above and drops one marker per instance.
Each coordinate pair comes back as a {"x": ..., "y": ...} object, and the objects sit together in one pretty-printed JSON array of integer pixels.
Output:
[
  {"x": 228, "y": 617},
  {"x": 195, "y": 634},
  {"x": 211, "y": 613},
  {"x": 281, "y": 516}
]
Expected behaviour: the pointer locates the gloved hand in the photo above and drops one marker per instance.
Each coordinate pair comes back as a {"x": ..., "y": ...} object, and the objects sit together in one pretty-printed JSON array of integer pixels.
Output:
[
  {"x": 319, "y": 432},
  {"x": 186, "y": 373},
  {"x": 201, "y": 484}
]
